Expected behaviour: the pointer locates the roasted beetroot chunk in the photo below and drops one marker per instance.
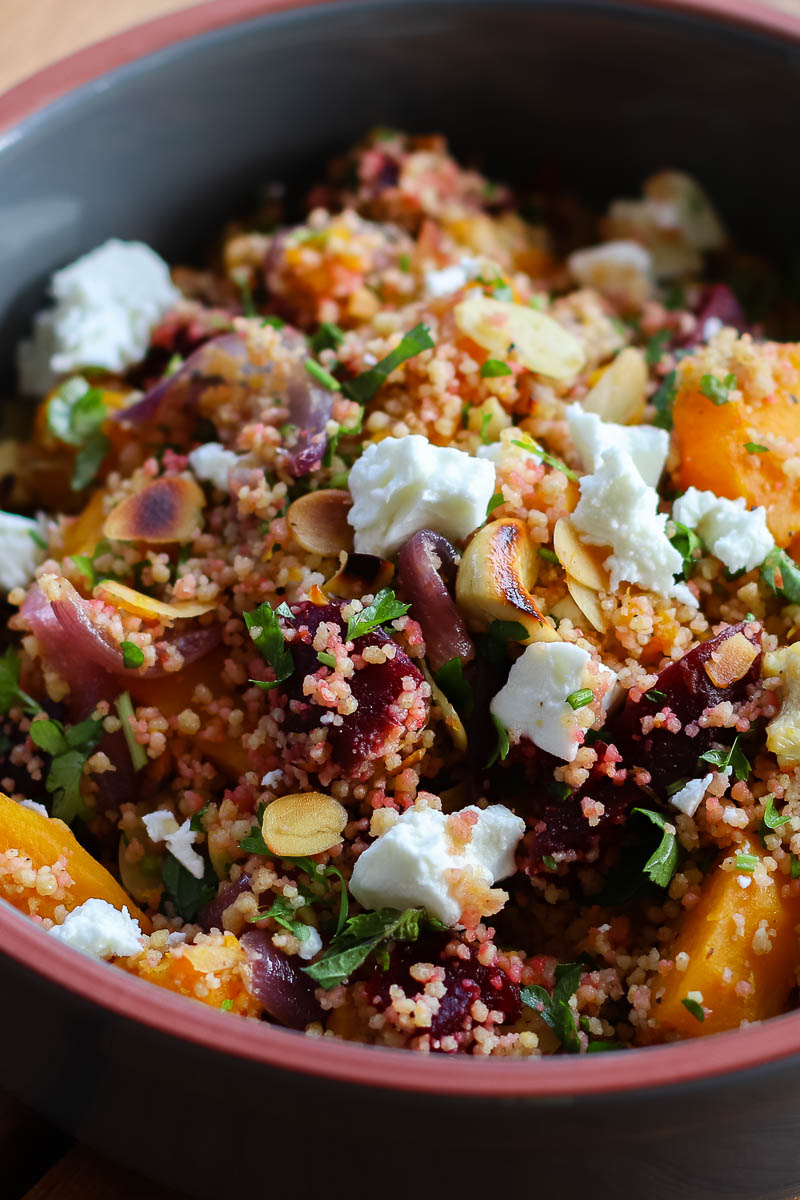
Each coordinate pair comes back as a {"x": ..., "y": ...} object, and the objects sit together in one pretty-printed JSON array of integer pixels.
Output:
[
  {"x": 465, "y": 980},
  {"x": 718, "y": 305},
  {"x": 377, "y": 687}
]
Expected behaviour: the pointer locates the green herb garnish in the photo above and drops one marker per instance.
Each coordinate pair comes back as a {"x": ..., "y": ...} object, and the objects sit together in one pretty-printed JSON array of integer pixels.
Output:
[
  {"x": 188, "y": 894},
  {"x": 75, "y": 415},
  {"x": 549, "y": 863},
  {"x": 327, "y": 337},
  {"x": 746, "y": 862},
  {"x": 656, "y": 346},
  {"x": 321, "y": 375},
  {"x": 364, "y": 387},
  {"x": 555, "y": 1009},
  {"x": 686, "y": 541},
  {"x": 734, "y": 757},
  {"x": 771, "y": 819},
  {"x": 717, "y": 390},
  {"x": 124, "y": 707},
  {"x": 493, "y": 368},
  {"x": 361, "y": 937},
  {"x": 580, "y": 698},
  {"x": 264, "y": 628},
  {"x": 196, "y": 819},
  {"x": 284, "y": 914},
  {"x": 132, "y": 656},
  {"x": 69, "y": 750},
  {"x": 327, "y": 660},
  {"x": 756, "y": 448},
  {"x": 496, "y": 500},
  {"x": 549, "y": 556},
  {"x": 781, "y": 575},
  {"x": 660, "y": 866},
  {"x": 549, "y": 460},
  {"x": 10, "y": 691},
  {"x": 385, "y": 607},
  {"x": 656, "y": 696},
  {"x": 664, "y": 400},
  {"x": 501, "y": 749},
  {"x": 694, "y": 1008},
  {"x": 450, "y": 678}
]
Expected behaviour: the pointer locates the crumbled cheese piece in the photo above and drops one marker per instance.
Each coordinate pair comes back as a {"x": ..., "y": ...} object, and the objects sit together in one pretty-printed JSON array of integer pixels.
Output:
[
  {"x": 311, "y": 944},
  {"x": 106, "y": 305},
  {"x": 211, "y": 463},
  {"x": 533, "y": 702},
  {"x": 19, "y": 554},
  {"x": 783, "y": 731},
  {"x": 620, "y": 269},
  {"x": 414, "y": 863},
  {"x": 34, "y": 806},
  {"x": 687, "y": 800},
  {"x": 737, "y": 537},
  {"x": 647, "y": 446},
  {"x": 450, "y": 279},
  {"x": 272, "y": 779},
  {"x": 618, "y": 509},
  {"x": 161, "y": 826},
  {"x": 100, "y": 930},
  {"x": 402, "y": 485}
]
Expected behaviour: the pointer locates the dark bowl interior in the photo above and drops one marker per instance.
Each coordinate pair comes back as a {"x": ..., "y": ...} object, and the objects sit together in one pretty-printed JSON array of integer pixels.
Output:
[{"x": 166, "y": 149}]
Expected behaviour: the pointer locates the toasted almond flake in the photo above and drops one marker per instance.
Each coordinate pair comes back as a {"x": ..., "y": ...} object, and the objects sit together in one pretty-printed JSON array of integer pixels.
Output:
[
  {"x": 620, "y": 392},
  {"x": 588, "y": 602},
  {"x": 317, "y": 596},
  {"x": 167, "y": 510},
  {"x": 140, "y": 605},
  {"x": 303, "y": 823},
  {"x": 495, "y": 575},
  {"x": 359, "y": 575},
  {"x": 731, "y": 660},
  {"x": 318, "y": 521},
  {"x": 538, "y": 341},
  {"x": 583, "y": 563}
]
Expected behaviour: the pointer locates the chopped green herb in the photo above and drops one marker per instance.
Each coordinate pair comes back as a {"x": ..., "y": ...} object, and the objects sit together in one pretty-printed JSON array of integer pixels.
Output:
[
  {"x": 132, "y": 656},
  {"x": 37, "y": 539},
  {"x": 539, "y": 301},
  {"x": 188, "y": 894},
  {"x": 404, "y": 262},
  {"x": 175, "y": 363},
  {"x": 360, "y": 937},
  {"x": 554, "y": 1008},
  {"x": 327, "y": 660},
  {"x": 580, "y": 698},
  {"x": 600, "y": 1047},
  {"x": 283, "y": 610},
  {"x": 124, "y": 707},
  {"x": 717, "y": 390},
  {"x": 75, "y": 414},
  {"x": 486, "y": 418},
  {"x": 275, "y": 322},
  {"x": 284, "y": 914},
  {"x": 664, "y": 400},
  {"x": 735, "y": 758},
  {"x": 86, "y": 567},
  {"x": 493, "y": 368},
  {"x": 69, "y": 750},
  {"x": 385, "y": 607},
  {"x": 656, "y": 346},
  {"x": 549, "y": 556},
  {"x": 501, "y": 749},
  {"x": 227, "y": 1005},
  {"x": 656, "y": 696},
  {"x": 321, "y": 375},
  {"x": 694, "y": 1008},
  {"x": 794, "y": 866},
  {"x": 450, "y": 678},
  {"x": 328, "y": 337},
  {"x": 660, "y": 866},
  {"x": 550, "y": 460},
  {"x": 771, "y": 819},
  {"x": 677, "y": 785},
  {"x": 686, "y": 542},
  {"x": 364, "y": 387},
  {"x": 10, "y": 691},
  {"x": 675, "y": 297},
  {"x": 549, "y": 862},
  {"x": 196, "y": 820},
  {"x": 746, "y": 862},
  {"x": 264, "y": 628},
  {"x": 756, "y": 448},
  {"x": 246, "y": 293},
  {"x": 496, "y": 500},
  {"x": 502, "y": 292},
  {"x": 781, "y": 575}
]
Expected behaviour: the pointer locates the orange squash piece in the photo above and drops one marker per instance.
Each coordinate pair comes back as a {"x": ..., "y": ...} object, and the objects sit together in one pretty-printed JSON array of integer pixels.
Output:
[
  {"x": 209, "y": 973},
  {"x": 718, "y": 937},
  {"x": 713, "y": 438},
  {"x": 26, "y": 835}
]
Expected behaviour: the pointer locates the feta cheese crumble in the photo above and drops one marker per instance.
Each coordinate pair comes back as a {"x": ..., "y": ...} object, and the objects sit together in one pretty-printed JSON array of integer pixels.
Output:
[
  {"x": 19, "y": 554},
  {"x": 737, "y": 537},
  {"x": 402, "y": 485},
  {"x": 106, "y": 305},
  {"x": 618, "y": 509},
  {"x": 620, "y": 269},
  {"x": 161, "y": 826},
  {"x": 533, "y": 702},
  {"x": 310, "y": 945},
  {"x": 450, "y": 279},
  {"x": 100, "y": 930},
  {"x": 647, "y": 446},
  {"x": 687, "y": 800},
  {"x": 415, "y": 863},
  {"x": 211, "y": 463}
]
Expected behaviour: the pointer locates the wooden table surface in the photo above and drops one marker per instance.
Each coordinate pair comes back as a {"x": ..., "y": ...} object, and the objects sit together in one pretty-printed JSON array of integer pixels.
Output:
[{"x": 38, "y": 1162}]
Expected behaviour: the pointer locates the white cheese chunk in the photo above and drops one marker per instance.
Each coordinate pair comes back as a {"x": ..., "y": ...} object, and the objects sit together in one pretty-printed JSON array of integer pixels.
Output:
[
  {"x": 161, "y": 826},
  {"x": 100, "y": 930},
  {"x": 620, "y": 269},
  {"x": 618, "y": 509},
  {"x": 402, "y": 485},
  {"x": 19, "y": 554},
  {"x": 106, "y": 305},
  {"x": 34, "y": 806},
  {"x": 447, "y": 280},
  {"x": 311, "y": 944},
  {"x": 737, "y": 537},
  {"x": 412, "y": 864},
  {"x": 647, "y": 446},
  {"x": 211, "y": 463},
  {"x": 533, "y": 702},
  {"x": 687, "y": 800}
]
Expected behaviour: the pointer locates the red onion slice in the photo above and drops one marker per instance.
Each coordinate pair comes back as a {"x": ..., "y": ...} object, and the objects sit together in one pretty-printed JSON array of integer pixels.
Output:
[
  {"x": 422, "y": 562},
  {"x": 272, "y": 978}
]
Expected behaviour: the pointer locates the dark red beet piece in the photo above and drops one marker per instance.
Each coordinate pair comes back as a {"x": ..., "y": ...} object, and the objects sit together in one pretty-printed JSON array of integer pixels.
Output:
[
  {"x": 426, "y": 566},
  {"x": 376, "y": 687},
  {"x": 717, "y": 302},
  {"x": 210, "y": 917},
  {"x": 466, "y": 981},
  {"x": 285, "y": 991}
]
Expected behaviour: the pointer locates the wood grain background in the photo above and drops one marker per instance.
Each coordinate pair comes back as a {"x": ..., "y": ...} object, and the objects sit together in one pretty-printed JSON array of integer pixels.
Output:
[{"x": 36, "y": 1161}]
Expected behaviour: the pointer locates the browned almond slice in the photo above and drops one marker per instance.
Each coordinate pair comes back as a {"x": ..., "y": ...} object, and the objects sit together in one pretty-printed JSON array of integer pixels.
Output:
[
  {"x": 620, "y": 392},
  {"x": 303, "y": 823},
  {"x": 140, "y": 605},
  {"x": 588, "y": 601},
  {"x": 495, "y": 575},
  {"x": 167, "y": 510},
  {"x": 318, "y": 521},
  {"x": 732, "y": 659},
  {"x": 583, "y": 563}
]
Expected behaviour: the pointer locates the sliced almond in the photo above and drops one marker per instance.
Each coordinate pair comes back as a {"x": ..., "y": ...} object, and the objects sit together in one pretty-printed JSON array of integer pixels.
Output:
[
  {"x": 318, "y": 521},
  {"x": 516, "y": 330},
  {"x": 167, "y": 510},
  {"x": 620, "y": 393},
  {"x": 126, "y": 598},
  {"x": 588, "y": 602},
  {"x": 495, "y": 575},
  {"x": 732, "y": 659},
  {"x": 303, "y": 823},
  {"x": 583, "y": 563},
  {"x": 360, "y": 575}
]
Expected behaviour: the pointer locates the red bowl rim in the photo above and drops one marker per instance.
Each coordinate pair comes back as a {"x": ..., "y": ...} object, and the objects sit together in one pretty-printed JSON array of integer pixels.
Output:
[{"x": 121, "y": 993}]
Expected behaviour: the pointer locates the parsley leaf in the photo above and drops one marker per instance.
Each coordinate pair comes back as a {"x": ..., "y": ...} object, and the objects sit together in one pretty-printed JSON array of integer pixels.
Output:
[
  {"x": 132, "y": 656},
  {"x": 694, "y": 1008},
  {"x": 284, "y": 914},
  {"x": 733, "y": 757},
  {"x": 450, "y": 678},
  {"x": 188, "y": 894},
  {"x": 663, "y": 401},
  {"x": 549, "y": 556},
  {"x": 555, "y": 1009},
  {"x": 385, "y": 607},
  {"x": 501, "y": 749},
  {"x": 549, "y": 460},
  {"x": 781, "y": 575},
  {"x": 717, "y": 390},
  {"x": 196, "y": 820},
  {"x": 771, "y": 819},
  {"x": 327, "y": 337},
  {"x": 494, "y": 502},
  {"x": 361, "y": 936},
  {"x": 69, "y": 749},
  {"x": 75, "y": 415},
  {"x": 264, "y": 628},
  {"x": 756, "y": 448},
  {"x": 495, "y": 646},
  {"x": 493, "y": 368},
  {"x": 365, "y": 386},
  {"x": 686, "y": 541},
  {"x": 10, "y": 691},
  {"x": 656, "y": 346},
  {"x": 660, "y": 866}
]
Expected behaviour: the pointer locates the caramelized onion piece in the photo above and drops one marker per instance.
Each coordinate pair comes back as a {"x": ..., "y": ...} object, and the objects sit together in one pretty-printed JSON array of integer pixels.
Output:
[{"x": 426, "y": 564}]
